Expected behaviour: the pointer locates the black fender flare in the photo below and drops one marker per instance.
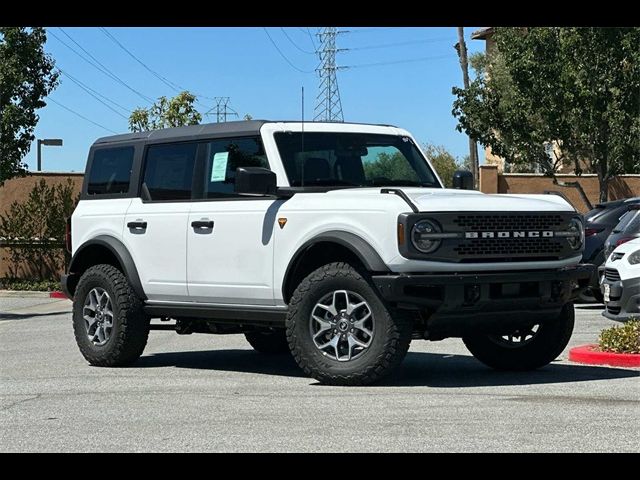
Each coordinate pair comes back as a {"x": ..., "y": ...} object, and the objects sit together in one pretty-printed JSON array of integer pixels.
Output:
[
  {"x": 357, "y": 245},
  {"x": 117, "y": 248}
]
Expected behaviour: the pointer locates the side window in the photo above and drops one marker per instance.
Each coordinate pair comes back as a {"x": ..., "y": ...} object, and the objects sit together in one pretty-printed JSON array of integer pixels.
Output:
[
  {"x": 168, "y": 171},
  {"x": 224, "y": 157},
  {"x": 110, "y": 171}
]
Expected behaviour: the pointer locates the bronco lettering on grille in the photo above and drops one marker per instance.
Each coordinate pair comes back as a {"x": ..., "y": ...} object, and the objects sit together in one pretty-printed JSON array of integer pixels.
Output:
[{"x": 518, "y": 234}]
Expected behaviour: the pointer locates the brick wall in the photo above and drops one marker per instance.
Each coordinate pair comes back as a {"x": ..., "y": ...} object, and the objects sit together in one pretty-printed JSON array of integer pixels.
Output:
[
  {"x": 18, "y": 189},
  {"x": 622, "y": 186}
]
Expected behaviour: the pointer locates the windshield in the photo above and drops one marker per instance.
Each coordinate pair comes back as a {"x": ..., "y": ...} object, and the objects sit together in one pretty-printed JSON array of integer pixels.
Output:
[
  {"x": 352, "y": 159},
  {"x": 629, "y": 222}
]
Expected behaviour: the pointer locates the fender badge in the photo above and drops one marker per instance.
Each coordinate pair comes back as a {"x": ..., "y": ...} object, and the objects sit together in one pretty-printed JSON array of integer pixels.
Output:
[{"x": 282, "y": 221}]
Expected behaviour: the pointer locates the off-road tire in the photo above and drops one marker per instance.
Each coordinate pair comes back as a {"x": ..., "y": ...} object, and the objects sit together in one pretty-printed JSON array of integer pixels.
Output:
[
  {"x": 390, "y": 341},
  {"x": 549, "y": 342},
  {"x": 270, "y": 343},
  {"x": 130, "y": 324}
]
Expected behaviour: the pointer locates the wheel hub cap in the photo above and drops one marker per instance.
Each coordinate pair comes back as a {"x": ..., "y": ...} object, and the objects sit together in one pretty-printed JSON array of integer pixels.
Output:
[
  {"x": 97, "y": 313},
  {"x": 342, "y": 325}
]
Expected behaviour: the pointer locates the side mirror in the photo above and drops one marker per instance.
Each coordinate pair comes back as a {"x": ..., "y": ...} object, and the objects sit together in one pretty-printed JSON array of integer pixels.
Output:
[
  {"x": 255, "y": 180},
  {"x": 463, "y": 180}
]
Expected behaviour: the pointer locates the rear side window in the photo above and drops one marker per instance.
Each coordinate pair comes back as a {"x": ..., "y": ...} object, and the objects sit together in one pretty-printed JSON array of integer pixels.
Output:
[
  {"x": 110, "y": 171},
  {"x": 168, "y": 171}
]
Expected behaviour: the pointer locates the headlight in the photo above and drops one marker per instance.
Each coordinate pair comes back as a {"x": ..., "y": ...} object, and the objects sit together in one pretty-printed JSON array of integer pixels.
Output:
[
  {"x": 576, "y": 230},
  {"x": 634, "y": 258},
  {"x": 422, "y": 236}
]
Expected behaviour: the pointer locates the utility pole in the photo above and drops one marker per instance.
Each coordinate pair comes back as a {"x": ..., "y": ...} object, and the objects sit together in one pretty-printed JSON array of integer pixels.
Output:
[
  {"x": 328, "y": 106},
  {"x": 461, "y": 48}
]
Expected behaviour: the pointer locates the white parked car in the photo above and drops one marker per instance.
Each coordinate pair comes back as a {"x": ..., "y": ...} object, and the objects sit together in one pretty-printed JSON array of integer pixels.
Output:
[
  {"x": 620, "y": 284},
  {"x": 335, "y": 241}
]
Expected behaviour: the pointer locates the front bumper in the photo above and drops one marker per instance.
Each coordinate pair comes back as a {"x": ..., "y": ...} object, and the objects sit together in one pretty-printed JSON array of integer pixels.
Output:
[
  {"x": 458, "y": 304},
  {"x": 624, "y": 299}
]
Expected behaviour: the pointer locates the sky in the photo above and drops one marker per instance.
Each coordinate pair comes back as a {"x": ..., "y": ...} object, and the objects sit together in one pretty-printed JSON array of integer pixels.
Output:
[{"x": 395, "y": 75}]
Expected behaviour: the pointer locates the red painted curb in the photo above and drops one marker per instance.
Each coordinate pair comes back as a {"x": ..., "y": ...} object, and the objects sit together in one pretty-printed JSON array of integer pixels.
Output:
[
  {"x": 57, "y": 294},
  {"x": 589, "y": 354}
]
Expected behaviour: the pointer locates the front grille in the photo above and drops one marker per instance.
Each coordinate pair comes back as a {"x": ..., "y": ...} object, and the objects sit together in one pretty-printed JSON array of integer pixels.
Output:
[
  {"x": 611, "y": 274},
  {"x": 509, "y": 222},
  {"x": 510, "y": 246},
  {"x": 527, "y": 248}
]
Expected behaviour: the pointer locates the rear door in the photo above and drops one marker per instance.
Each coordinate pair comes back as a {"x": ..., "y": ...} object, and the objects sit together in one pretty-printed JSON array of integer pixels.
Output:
[{"x": 156, "y": 225}]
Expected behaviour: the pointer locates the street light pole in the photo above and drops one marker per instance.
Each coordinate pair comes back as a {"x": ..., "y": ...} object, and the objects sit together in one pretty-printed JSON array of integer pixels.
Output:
[{"x": 54, "y": 142}]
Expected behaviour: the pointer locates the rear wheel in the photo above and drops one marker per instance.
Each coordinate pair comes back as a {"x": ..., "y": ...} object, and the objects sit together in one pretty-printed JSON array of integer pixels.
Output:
[
  {"x": 272, "y": 343},
  {"x": 341, "y": 332},
  {"x": 526, "y": 348},
  {"x": 109, "y": 324}
]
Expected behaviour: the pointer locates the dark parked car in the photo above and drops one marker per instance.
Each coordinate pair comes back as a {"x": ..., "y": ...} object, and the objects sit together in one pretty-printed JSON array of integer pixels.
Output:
[
  {"x": 627, "y": 229},
  {"x": 599, "y": 223}
]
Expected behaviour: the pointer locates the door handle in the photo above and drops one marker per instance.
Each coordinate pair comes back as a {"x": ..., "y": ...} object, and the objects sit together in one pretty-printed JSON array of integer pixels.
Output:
[
  {"x": 202, "y": 224},
  {"x": 137, "y": 225}
]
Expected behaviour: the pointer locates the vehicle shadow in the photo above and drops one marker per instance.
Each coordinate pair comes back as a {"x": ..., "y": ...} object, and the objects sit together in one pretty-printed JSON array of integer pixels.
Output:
[
  {"x": 246, "y": 361},
  {"x": 419, "y": 369},
  {"x": 24, "y": 316},
  {"x": 598, "y": 306}
]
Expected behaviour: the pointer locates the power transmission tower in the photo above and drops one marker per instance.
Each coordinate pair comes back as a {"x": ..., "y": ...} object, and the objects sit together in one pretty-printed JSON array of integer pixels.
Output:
[
  {"x": 328, "y": 104},
  {"x": 222, "y": 109}
]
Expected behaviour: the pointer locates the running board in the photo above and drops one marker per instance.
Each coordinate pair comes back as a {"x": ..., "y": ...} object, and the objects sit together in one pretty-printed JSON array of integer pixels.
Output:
[{"x": 255, "y": 315}]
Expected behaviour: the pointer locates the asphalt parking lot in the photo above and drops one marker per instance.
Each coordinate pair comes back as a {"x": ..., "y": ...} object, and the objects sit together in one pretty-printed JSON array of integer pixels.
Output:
[{"x": 213, "y": 393}]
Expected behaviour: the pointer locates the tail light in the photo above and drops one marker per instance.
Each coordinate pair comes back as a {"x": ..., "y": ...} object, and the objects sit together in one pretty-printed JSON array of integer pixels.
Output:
[
  {"x": 590, "y": 231},
  {"x": 67, "y": 235},
  {"x": 624, "y": 240}
]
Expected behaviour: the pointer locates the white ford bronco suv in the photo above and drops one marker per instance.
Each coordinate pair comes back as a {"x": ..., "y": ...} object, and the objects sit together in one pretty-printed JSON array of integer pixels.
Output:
[{"x": 334, "y": 241}]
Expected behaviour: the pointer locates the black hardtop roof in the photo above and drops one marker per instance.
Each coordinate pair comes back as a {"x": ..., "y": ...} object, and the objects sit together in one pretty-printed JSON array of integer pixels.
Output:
[{"x": 237, "y": 128}]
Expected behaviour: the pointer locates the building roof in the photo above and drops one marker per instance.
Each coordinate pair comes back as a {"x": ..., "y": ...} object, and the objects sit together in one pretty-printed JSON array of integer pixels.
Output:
[{"x": 482, "y": 34}]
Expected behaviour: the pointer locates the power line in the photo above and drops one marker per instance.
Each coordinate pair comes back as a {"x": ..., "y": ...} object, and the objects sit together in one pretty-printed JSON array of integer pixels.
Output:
[
  {"x": 97, "y": 64},
  {"x": 295, "y": 44},
  {"x": 81, "y": 116},
  {"x": 308, "y": 32},
  {"x": 283, "y": 55},
  {"x": 395, "y": 62},
  {"x": 398, "y": 44},
  {"x": 95, "y": 94},
  {"x": 372, "y": 29},
  {"x": 163, "y": 79}
]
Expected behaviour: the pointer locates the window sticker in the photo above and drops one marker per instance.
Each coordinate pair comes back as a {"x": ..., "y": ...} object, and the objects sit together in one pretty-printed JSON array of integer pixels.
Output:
[{"x": 219, "y": 167}]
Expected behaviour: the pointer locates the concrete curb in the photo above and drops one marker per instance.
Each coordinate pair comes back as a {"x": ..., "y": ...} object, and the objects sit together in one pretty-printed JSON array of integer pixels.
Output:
[
  {"x": 589, "y": 355},
  {"x": 30, "y": 294}
]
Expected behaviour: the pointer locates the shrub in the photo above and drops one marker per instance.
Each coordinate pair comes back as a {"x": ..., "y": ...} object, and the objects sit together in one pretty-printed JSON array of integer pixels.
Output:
[
  {"x": 41, "y": 217},
  {"x": 31, "y": 285},
  {"x": 622, "y": 339}
]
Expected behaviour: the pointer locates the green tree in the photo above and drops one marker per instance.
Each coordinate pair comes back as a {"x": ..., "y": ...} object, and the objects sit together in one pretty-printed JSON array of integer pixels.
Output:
[
  {"x": 166, "y": 113},
  {"x": 27, "y": 76},
  {"x": 444, "y": 162},
  {"x": 392, "y": 166},
  {"x": 558, "y": 96}
]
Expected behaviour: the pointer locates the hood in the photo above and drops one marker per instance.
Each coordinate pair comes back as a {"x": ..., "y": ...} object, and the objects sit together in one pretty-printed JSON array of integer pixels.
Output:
[{"x": 450, "y": 200}]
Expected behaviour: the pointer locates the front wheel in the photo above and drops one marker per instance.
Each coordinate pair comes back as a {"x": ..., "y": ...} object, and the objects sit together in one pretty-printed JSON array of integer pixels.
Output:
[
  {"x": 339, "y": 330},
  {"x": 526, "y": 348}
]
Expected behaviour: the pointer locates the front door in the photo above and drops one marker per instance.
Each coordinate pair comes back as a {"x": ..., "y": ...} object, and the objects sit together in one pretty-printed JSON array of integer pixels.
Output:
[
  {"x": 230, "y": 238},
  {"x": 155, "y": 230}
]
